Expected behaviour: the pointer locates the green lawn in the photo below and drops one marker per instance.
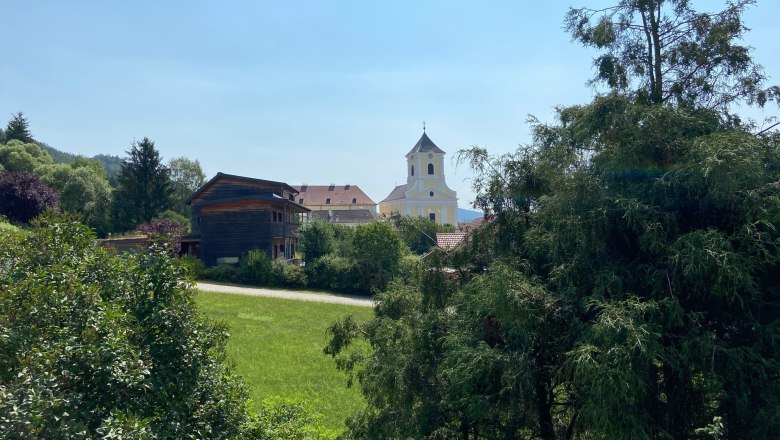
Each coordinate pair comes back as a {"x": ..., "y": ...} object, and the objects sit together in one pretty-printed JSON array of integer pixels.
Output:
[{"x": 277, "y": 344}]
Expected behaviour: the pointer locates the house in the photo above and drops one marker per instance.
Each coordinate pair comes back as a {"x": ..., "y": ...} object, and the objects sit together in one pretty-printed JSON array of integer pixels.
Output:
[
  {"x": 425, "y": 193},
  {"x": 343, "y": 204},
  {"x": 235, "y": 214}
]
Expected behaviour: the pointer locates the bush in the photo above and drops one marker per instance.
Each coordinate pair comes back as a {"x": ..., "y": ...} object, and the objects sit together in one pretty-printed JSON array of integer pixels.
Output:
[
  {"x": 332, "y": 272},
  {"x": 24, "y": 196},
  {"x": 195, "y": 267},
  {"x": 284, "y": 274},
  {"x": 255, "y": 267},
  {"x": 99, "y": 345},
  {"x": 224, "y": 273},
  {"x": 284, "y": 419}
]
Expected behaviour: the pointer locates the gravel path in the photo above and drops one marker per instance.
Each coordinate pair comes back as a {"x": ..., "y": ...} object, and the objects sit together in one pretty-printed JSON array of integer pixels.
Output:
[{"x": 287, "y": 294}]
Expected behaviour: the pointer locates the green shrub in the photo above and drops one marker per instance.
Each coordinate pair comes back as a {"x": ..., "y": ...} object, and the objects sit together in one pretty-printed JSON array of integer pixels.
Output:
[
  {"x": 194, "y": 265},
  {"x": 225, "y": 273},
  {"x": 410, "y": 268},
  {"x": 332, "y": 272},
  {"x": 99, "y": 345},
  {"x": 255, "y": 267},
  {"x": 284, "y": 419},
  {"x": 284, "y": 274}
]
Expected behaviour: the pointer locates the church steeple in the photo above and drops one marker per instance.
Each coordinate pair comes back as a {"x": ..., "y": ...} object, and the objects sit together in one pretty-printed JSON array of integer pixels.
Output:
[{"x": 425, "y": 145}]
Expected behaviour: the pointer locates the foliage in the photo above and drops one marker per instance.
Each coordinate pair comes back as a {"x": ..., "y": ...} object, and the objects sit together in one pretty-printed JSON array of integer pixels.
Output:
[
  {"x": 287, "y": 274},
  {"x": 19, "y": 156},
  {"x": 316, "y": 238},
  {"x": 225, "y": 273},
  {"x": 173, "y": 216},
  {"x": 255, "y": 267},
  {"x": 195, "y": 268},
  {"x": 377, "y": 249},
  {"x": 332, "y": 272},
  {"x": 285, "y": 419},
  {"x": 627, "y": 283},
  {"x": 671, "y": 53},
  {"x": 144, "y": 188},
  {"x": 24, "y": 196},
  {"x": 18, "y": 128},
  {"x": 100, "y": 345},
  {"x": 82, "y": 188},
  {"x": 164, "y": 233},
  {"x": 186, "y": 178},
  {"x": 418, "y": 233}
]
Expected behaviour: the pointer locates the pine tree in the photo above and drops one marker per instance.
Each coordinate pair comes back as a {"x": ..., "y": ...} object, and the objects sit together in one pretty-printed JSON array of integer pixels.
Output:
[
  {"x": 144, "y": 187},
  {"x": 18, "y": 128}
]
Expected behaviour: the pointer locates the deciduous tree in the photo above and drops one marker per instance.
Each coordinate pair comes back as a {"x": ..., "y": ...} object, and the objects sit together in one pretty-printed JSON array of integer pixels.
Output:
[{"x": 24, "y": 196}]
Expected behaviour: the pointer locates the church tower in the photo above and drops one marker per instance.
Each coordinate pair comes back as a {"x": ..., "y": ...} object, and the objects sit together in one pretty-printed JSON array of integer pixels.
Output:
[{"x": 425, "y": 193}]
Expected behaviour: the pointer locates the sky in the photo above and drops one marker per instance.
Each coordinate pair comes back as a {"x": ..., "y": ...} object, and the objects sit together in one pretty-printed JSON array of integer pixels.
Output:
[{"x": 309, "y": 92}]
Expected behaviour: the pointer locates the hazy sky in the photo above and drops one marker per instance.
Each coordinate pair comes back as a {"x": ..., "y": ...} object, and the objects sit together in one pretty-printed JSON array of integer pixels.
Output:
[{"x": 301, "y": 91}]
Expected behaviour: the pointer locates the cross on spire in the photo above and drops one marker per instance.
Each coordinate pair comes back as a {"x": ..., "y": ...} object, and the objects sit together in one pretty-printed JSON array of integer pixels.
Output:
[{"x": 423, "y": 126}]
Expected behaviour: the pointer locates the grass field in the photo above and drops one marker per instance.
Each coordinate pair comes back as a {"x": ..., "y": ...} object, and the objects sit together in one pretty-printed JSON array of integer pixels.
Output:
[{"x": 277, "y": 344}]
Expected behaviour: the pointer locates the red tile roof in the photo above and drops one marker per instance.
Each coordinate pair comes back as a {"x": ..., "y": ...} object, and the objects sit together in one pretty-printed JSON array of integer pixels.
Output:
[
  {"x": 448, "y": 240},
  {"x": 339, "y": 195}
]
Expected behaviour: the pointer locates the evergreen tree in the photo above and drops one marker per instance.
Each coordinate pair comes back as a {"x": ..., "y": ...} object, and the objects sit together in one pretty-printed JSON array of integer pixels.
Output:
[
  {"x": 144, "y": 187},
  {"x": 633, "y": 291},
  {"x": 18, "y": 128}
]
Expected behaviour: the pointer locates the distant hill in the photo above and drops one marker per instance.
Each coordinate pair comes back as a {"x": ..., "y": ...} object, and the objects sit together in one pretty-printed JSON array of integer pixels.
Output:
[
  {"x": 112, "y": 164},
  {"x": 465, "y": 215}
]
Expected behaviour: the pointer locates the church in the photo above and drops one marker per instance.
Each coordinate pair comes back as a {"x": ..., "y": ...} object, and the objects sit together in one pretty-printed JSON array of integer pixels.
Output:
[{"x": 425, "y": 193}]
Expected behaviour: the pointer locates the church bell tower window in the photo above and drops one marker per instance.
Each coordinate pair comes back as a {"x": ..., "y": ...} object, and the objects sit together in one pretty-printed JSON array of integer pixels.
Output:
[{"x": 430, "y": 168}]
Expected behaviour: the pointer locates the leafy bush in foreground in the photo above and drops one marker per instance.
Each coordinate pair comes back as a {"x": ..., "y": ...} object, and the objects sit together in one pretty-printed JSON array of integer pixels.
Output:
[{"x": 95, "y": 344}]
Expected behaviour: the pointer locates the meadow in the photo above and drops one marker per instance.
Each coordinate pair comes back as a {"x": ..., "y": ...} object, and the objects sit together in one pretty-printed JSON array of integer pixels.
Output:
[{"x": 276, "y": 345}]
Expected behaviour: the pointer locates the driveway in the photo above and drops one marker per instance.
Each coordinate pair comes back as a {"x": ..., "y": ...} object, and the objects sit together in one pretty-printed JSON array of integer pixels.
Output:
[{"x": 287, "y": 294}]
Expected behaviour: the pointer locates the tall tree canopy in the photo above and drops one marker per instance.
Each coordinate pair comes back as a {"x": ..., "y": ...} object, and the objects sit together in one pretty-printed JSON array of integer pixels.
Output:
[
  {"x": 144, "y": 187},
  {"x": 668, "y": 52},
  {"x": 24, "y": 196},
  {"x": 186, "y": 177},
  {"x": 19, "y": 156},
  {"x": 19, "y": 129},
  {"x": 632, "y": 285}
]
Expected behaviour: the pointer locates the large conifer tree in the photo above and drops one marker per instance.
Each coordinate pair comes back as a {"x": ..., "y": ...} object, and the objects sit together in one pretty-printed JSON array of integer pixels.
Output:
[
  {"x": 144, "y": 187},
  {"x": 18, "y": 128}
]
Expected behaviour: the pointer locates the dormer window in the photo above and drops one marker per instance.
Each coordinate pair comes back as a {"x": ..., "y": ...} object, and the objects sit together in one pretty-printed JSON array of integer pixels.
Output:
[
  {"x": 327, "y": 201},
  {"x": 430, "y": 168}
]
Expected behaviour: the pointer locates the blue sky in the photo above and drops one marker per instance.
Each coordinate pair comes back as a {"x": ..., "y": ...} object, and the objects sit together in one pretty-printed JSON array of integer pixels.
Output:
[{"x": 301, "y": 91}]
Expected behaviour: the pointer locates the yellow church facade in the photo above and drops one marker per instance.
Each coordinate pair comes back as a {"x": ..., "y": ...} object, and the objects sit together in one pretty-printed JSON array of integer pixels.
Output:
[{"x": 425, "y": 193}]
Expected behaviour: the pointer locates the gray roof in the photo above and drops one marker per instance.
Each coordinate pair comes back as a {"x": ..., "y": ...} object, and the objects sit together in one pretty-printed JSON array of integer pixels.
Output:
[
  {"x": 347, "y": 215},
  {"x": 425, "y": 145},
  {"x": 398, "y": 193}
]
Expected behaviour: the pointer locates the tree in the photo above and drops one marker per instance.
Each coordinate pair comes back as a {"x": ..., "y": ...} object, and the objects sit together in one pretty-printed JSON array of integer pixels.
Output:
[
  {"x": 18, "y": 128},
  {"x": 83, "y": 188},
  {"x": 377, "y": 249},
  {"x": 144, "y": 187},
  {"x": 668, "y": 52},
  {"x": 316, "y": 239},
  {"x": 19, "y": 156},
  {"x": 24, "y": 196},
  {"x": 186, "y": 178},
  {"x": 633, "y": 292},
  {"x": 418, "y": 233}
]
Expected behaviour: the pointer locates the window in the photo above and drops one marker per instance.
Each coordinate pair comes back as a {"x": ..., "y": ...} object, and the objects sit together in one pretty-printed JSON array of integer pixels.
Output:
[
  {"x": 431, "y": 193},
  {"x": 274, "y": 216},
  {"x": 432, "y": 216},
  {"x": 412, "y": 170},
  {"x": 300, "y": 201},
  {"x": 354, "y": 200},
  {"x": 430, "y": 168},
  {"x": 327, "y": 201}
]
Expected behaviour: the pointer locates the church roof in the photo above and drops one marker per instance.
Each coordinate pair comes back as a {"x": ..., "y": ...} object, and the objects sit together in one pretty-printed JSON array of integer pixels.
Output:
[
  {"x": 398, "y": 193},
  {"x": 425, "y": 145},
  {"x": 337, "y": 195}
]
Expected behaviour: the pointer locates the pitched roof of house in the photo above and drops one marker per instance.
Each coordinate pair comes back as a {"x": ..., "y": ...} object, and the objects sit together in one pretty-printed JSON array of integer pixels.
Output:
[
  {"x": 448, "y": 240},
  {"x": 398, "y": 193},
  {"x": 425, "y": 145},
  {"x": 347, "y": 215},
  {"x": 249, "y": 180},
  {"x": 339, "y": 195}
]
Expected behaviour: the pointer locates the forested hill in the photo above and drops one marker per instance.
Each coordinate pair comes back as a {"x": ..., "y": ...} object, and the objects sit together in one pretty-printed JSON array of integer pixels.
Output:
[{"x": 112, "y": 164}]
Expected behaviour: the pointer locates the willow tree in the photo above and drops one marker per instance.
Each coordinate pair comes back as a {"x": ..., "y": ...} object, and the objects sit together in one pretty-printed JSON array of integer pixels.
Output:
[{"x": 635, "y": 285}]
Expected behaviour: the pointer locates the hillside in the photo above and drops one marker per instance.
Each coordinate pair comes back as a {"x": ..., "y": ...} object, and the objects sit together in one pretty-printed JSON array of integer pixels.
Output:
[{"x": 111, "y": 164}]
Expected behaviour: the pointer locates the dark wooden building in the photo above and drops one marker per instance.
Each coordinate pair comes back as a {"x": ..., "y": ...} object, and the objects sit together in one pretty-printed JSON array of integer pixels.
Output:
[{"x": 234, "y": 214}]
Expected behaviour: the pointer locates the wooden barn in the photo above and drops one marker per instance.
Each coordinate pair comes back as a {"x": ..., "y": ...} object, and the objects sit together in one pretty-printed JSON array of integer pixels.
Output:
[{"x": 235, "y": 214}]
